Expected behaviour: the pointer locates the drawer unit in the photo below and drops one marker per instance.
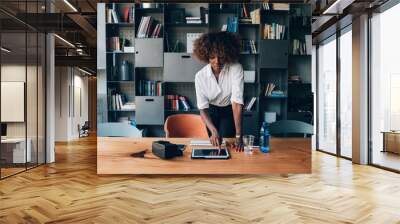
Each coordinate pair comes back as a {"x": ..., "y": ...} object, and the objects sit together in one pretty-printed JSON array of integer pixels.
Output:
[
  {"x": 149, "y": 52},
  {"x": 150, "y": 110},
  {"x": 274, "y": 54},
  {"x": 180, "y": 67}
]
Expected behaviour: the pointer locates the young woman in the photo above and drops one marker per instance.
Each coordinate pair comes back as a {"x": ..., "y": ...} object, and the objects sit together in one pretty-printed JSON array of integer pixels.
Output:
[{"x": 219, "y": 86}]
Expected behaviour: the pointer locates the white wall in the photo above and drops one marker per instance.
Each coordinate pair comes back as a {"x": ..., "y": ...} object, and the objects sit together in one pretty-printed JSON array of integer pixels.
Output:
[{"x": 69, "y": 82}]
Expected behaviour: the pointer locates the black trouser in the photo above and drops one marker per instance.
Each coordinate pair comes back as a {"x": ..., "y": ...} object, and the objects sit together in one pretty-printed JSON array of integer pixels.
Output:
[{"x": 222, "y": 118}]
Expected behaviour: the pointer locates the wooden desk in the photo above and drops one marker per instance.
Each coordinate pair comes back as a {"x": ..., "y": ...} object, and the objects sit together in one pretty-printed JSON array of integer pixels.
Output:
[{"x": 287, "y": 155}]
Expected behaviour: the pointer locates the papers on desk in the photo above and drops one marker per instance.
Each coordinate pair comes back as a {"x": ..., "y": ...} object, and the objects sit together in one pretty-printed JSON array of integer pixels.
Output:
[{"x": 202, "y": 143}]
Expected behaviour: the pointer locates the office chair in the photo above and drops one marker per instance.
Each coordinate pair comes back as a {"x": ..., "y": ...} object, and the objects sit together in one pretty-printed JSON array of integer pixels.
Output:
[
  {"x": 185, "y": 126},
  {"x": 84, "y": 129}
]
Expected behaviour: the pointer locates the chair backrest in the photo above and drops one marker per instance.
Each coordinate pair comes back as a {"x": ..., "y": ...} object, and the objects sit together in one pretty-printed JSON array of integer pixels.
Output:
[
  {"x": 185, "y": 126},
  {"x": 86, "y": 125},
  {"x": 291, "y": 127},
  {"x": 118, "y": 130}
]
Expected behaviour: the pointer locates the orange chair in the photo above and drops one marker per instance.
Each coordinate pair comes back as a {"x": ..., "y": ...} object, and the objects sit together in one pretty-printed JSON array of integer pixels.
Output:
[{"x": 185, "y": 126}]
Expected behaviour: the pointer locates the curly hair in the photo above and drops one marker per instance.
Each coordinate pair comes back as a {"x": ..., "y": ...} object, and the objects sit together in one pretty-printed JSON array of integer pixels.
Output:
[{"x": 224, "y": 45}]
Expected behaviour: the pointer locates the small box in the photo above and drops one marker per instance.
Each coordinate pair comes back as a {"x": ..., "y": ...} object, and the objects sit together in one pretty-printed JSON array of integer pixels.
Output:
[
  {"x": 249, "y": 76},
  {"x": 129, "y": 49}
]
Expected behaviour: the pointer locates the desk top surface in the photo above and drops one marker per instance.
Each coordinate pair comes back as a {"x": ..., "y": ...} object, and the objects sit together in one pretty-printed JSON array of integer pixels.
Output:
[{"x": 288, "y": 155}]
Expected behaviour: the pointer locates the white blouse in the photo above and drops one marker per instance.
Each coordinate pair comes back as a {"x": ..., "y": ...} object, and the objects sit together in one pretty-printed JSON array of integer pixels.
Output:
[{"x": 228, "y": 88}]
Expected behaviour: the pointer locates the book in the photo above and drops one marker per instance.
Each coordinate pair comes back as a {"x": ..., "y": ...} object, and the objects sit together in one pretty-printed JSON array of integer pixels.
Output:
[
  {"x": 280, "y": 6},
  {"x": 274, "y": 31},
  {"x": 114, "y": 44},
  {"x": 255, "y": 16},
  {"x": 184, "y": 102},
  {"x": 109, "y": 16},
  {"x": 192, "y": 18},
  {"x": 224, "y": 27},
  {"x": 150, "y": 88},
  {"x": 266, "y": 6},
  {"x": 250, "y": 104},
  {"x": 126, "y": 11},
  {"x": 115, "y": 18},
  {"x": 204, "y": 14},
  {"x": 177, "y": 102},
  {"x": 232, "y": 24},
  {"x": 245, "y": 12},
  {"x": 268, "y": 89},
  {"x": 194, "y": 22},
  {"x": 147, "y": 28},
  {"x": 300, "y": 47},
  {"x": 248, "y": 46}
]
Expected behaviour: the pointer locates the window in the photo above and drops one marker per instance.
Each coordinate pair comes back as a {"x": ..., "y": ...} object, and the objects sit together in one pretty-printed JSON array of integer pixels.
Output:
[
  {"x": 346, "y": 93},
  {"x": 327, "y": 96},
  {"x": 385, "y": 85}
]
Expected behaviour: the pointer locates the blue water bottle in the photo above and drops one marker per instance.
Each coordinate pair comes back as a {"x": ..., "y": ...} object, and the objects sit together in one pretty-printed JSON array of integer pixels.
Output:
[{"x": 264, "y": 137}]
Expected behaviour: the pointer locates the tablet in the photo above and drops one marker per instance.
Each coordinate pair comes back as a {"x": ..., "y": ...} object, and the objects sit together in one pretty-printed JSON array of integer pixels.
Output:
[{"x": 210, "y": 153}]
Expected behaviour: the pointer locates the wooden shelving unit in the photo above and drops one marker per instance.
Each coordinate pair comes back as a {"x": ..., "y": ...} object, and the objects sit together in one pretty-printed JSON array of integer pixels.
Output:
[{"x": 165, "y": 59}]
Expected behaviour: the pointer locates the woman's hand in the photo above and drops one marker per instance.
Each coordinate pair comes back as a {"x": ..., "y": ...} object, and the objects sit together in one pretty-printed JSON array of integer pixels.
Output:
[
  {"x": 215, "y": 139},
  {"x": 239, "y": 147}
]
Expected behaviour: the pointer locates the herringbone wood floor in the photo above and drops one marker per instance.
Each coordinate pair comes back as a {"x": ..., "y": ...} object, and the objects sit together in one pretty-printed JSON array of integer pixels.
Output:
[{"x": 69, "y": 191}]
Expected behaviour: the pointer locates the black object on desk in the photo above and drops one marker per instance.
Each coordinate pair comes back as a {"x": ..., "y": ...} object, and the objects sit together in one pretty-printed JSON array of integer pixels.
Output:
[{"x": 167, "y": 150}]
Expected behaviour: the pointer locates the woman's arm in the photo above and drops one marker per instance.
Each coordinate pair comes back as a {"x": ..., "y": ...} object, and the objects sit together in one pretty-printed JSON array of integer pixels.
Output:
[
  {"x": 215, "y": 139},
  {"x": 237, "y": 116},
  {"x": 237, "y": 102}
]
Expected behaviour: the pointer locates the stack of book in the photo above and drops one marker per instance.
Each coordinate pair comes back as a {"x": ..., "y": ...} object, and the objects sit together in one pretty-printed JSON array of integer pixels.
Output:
[
  {"x": 266, "y": 6},
  {"x": 248, "y": 47},
  {"x": 149, "y": 28},
  {"x": 268, "y": 89},
  {"x": 193, "y": 20},
  {"x": 271, "y": 92},
  {"x": 127, "y": 15},
  {"x": 231, "y": 24},
  {"x": 112, "y": 16},
  {"x": 299, "y": 47},
  {"x": 255, "y": 16},
  {"x": 250, "y": 104},
  {"x": 150, "y": 88},
  {"x": 177, "y": 102},
  {"x": 245, "y": 16},
  {"x": 117, "y": 102},
  {"x": 274, "y": 31}
]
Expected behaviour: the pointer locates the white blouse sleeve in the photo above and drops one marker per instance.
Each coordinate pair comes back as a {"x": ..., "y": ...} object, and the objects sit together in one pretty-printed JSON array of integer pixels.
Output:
[
  {"x": 202, "y": 101},
  {"x": 237, "y": 84}
]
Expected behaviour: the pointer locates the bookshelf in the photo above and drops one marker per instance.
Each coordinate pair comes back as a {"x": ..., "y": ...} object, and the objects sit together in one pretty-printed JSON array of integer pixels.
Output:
[{"x": 161, "y": 67}]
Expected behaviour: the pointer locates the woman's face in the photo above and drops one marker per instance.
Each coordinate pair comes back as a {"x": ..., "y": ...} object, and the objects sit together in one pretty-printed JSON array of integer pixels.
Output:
[{"x": 216, "y": 63}]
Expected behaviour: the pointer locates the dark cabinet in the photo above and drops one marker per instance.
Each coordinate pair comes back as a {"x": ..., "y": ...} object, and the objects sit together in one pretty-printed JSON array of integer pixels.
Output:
[{"x": 274, "y": 54}]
